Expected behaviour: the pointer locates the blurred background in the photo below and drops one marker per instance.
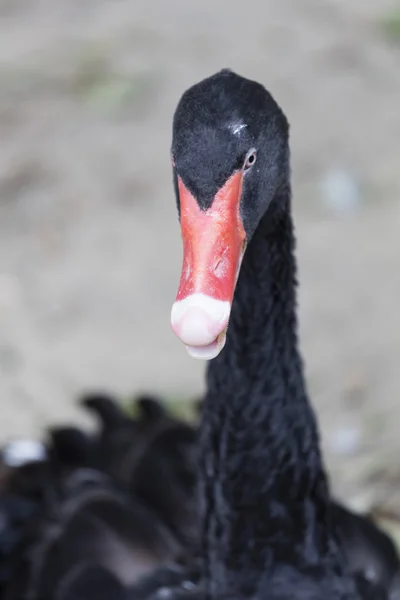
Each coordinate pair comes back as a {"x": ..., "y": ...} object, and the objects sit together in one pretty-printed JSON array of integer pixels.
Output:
[{"x": 90, "y": 249}]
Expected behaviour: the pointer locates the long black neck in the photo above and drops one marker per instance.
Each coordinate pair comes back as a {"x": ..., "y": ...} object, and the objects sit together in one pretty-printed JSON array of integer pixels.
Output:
[{"x": 263, "y": 488}]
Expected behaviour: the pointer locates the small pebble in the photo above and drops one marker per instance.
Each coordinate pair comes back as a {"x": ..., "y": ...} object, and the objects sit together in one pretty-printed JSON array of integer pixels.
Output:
[
  {"x": 20, "y": 452},
  {"x": 345, "y": 440},
  {"x": 340, "y": 191}
]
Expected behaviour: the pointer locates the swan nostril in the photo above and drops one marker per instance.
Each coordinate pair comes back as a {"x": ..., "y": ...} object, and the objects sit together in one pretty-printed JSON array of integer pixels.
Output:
[
  {"x": 217, "y": 264},
  {"x": 220, "y": 267}
]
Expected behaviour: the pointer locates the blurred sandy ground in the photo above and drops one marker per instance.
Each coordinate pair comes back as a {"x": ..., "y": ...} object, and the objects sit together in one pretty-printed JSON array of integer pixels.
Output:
[{"x": 89, "y": 241}]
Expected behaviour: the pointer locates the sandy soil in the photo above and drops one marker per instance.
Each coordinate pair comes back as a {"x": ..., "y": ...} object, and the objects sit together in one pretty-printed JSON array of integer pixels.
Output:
[{"x": 89, "y": 243}]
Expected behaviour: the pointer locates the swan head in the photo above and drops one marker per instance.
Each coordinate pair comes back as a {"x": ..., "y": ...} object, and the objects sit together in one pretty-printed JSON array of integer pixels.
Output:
[{"x": 229, "y": 155}]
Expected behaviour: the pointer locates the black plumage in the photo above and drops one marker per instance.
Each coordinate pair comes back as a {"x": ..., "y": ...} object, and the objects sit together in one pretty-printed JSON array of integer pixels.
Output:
[{"x": 268, "y": 528}]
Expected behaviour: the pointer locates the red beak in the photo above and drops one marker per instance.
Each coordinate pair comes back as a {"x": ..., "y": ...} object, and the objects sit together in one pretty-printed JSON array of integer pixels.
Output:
[{"x": 213, "y": 247}]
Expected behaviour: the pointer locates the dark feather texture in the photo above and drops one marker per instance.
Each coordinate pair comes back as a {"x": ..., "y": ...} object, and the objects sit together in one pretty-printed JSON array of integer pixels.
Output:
[
  {"x": 83, "y": 507},
  {"x": 268, "y": 527},
  {"x": 34, "y": 512}
]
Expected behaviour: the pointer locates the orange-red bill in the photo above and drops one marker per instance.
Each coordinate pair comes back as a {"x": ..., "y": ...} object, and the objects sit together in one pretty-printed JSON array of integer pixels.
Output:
[
  {"x": 213, "y": 246},
  {"x": 212, "y": 241}
]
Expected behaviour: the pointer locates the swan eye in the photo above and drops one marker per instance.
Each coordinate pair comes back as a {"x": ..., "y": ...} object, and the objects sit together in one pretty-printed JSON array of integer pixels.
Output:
[{"x": 250, "y": 160}]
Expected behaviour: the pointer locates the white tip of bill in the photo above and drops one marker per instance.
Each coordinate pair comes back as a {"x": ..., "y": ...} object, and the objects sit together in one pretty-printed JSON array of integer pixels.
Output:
[{"x": 200, "y": 322}]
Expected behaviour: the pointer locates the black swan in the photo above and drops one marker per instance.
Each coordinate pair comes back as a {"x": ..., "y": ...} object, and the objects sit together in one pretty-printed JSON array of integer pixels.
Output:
[
  {"x": 268, "y": 526},
  {"x": 75, "y": 512},
  {"x": 149, "y": 454}
]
